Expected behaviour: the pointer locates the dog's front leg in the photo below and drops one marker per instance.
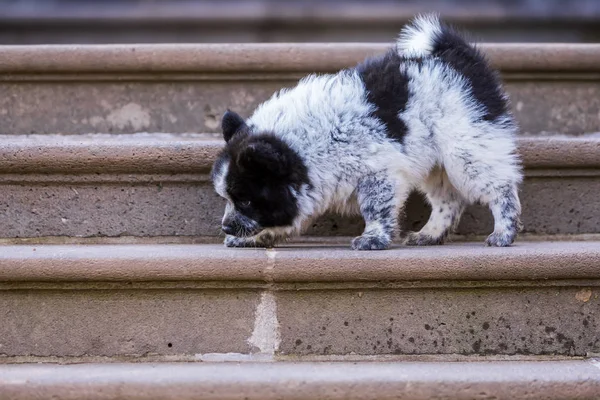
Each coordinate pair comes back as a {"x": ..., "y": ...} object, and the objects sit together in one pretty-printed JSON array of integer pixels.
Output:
[{"x": 379, "y": 200}]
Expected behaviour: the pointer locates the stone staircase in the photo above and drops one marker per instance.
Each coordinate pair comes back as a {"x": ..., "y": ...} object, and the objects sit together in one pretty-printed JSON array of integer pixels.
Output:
[{"x": 110, "y": 262}]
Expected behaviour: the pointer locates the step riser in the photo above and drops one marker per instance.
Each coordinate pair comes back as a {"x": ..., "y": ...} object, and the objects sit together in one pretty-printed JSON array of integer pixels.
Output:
[
  {"x": 78, "y": 89},
  {"x": 120, "y": 105},
  {"x": 121, "y": 322},
  {"x": 187, "y": 320},
  {"x": 563, "y": 201},
  {"x": 439, "y": 321},
  {"x": 174, "y": 31}
]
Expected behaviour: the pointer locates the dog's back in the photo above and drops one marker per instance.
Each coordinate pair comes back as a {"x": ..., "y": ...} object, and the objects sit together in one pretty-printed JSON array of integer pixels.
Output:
[{"x": 427, "y": 36}]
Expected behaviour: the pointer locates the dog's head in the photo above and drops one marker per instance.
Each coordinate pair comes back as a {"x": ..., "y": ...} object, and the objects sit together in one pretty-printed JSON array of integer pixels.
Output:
[{"x": 260, "y": 176}]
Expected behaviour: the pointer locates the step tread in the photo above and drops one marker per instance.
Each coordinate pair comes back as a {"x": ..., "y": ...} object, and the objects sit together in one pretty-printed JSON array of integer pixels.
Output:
[
  {"x": 160, "y": 152},
  {"x": 268, "y": 57},
  {"x": 299, "y": 263},
  {"x": 578, "y": 379}
]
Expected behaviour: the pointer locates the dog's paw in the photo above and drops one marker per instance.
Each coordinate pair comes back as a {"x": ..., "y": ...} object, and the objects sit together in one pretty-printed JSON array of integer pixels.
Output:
[
  {"x": 501, "y": 238},
  {"x": 422, "y": 239},
  {"x": 233, "y": 241},
  {"x": 366, "y": 242},
  {"x": 265, "y": 241}
]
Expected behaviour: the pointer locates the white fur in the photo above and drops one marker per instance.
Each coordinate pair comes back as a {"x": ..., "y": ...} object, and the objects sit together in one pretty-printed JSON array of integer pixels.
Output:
[
  {"x": 219, "y": 180},
  {"x": 416, "y": 39}
]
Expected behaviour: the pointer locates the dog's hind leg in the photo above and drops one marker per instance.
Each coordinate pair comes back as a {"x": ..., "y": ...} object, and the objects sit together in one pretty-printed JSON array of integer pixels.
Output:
[
  {"x": 487, "y": 171},
  {"x": 447, "y": 205}
]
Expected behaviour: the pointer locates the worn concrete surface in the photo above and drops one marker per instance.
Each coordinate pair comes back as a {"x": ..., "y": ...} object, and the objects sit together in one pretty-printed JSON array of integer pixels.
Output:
[
  {"x": 568, "y": 106},
  {"x": 157, "y": 206},
  {"x": 537, "y": 298},
  {"x": 186, "y": 88},
  {"x": 157, "y": 185},
  {"x": 83, "y": 320},
  {"x": 149, "y": 207},
  {"x": 76, "y": 323},
  {"x": 525, "y": 261},
  {"x": 270, "y": 57},
  {"x": 269, "y": 381},
  {"x": 194, "y": 104},
  {"x": 124, "y": 106},
  {"x": 195, "y": 153},
  {"x": 147, "y": 153},
  {"x": 438, "y": 321},
  {"x": 551, "y": 205}
]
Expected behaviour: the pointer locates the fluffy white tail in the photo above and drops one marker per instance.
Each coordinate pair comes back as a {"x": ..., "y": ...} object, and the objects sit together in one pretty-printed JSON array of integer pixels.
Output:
[{"x": 418, "y": 38}]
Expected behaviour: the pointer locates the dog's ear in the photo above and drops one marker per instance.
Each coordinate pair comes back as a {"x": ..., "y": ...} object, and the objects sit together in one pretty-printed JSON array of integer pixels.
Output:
[
  {"x": 231, "y": 124},
  {"x": 264, "y": 158}
]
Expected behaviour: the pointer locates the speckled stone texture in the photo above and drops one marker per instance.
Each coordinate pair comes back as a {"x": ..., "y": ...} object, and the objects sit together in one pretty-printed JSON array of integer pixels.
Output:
[
  {"x": 143, "y": 208},
  {"x": 569, "y": 107},
  {"x": 121, "y": 322},
  {"x": 152, "y": 206},
  {"x": 186, "y": 88},
  {"x": 149, "y": 185},
  {"x": 138, "y": 301},
  {"x": 487, "y": 321},
  {"x": 117, "y": 189}
]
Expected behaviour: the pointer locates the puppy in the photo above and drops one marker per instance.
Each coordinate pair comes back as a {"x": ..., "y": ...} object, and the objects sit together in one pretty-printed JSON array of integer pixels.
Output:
[{"x": 430, "y": 115}]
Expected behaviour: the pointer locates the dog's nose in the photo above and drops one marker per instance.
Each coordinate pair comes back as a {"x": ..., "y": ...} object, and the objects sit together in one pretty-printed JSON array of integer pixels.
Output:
[{"x": 228, "y": 229}]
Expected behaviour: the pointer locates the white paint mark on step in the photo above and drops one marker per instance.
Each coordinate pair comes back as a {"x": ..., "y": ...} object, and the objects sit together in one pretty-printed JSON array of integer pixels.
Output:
[
  {"x": 266, "y": 336},
  {"x": 271, "y": 256}
]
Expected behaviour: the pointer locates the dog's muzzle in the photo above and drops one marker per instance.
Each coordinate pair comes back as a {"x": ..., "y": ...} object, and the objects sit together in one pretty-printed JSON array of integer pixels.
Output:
[{"x": 238, "y": 225}]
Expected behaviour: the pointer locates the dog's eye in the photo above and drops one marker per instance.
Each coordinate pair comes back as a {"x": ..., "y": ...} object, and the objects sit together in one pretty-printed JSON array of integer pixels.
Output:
[{"x": 245, "y": 204}]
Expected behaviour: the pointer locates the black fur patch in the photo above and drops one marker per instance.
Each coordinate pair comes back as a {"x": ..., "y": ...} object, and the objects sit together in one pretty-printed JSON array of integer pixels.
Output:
[
  {"x": 387, "y": 89},
  {"x": 232, "y": 123},
  {"x": 262, "y": 169},
  {"x": 452, "y": 48}
]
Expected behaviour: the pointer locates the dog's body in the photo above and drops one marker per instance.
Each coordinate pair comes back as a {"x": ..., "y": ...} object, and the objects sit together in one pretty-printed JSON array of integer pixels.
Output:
[{"x": 428, "y": 115}]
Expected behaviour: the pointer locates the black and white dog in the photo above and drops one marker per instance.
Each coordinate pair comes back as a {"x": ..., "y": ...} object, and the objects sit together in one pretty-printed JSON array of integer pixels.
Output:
[{"x": 430, "y": 115}]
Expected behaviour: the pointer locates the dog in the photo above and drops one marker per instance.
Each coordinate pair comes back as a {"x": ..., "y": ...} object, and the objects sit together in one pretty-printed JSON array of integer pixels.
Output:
[{"x": 430, "y": 114}]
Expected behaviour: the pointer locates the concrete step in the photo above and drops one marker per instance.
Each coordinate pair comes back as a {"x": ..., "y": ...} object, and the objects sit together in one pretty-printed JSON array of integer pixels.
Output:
[
  {"x": 97, "y": 303},
  {"x": 150, "y": 185},
  {"x": 269, "y": 381},
  {"x": 135, "y": 21},
  {"x": 76, "y": 89}
]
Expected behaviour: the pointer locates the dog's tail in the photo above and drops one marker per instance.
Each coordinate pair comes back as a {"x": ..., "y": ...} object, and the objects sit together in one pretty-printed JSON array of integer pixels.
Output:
[{"x": 427, "y": 36}]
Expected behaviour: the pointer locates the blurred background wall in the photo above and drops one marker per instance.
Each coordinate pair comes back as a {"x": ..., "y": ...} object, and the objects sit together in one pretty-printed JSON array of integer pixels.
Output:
[{"x": 181, "y": 21}]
